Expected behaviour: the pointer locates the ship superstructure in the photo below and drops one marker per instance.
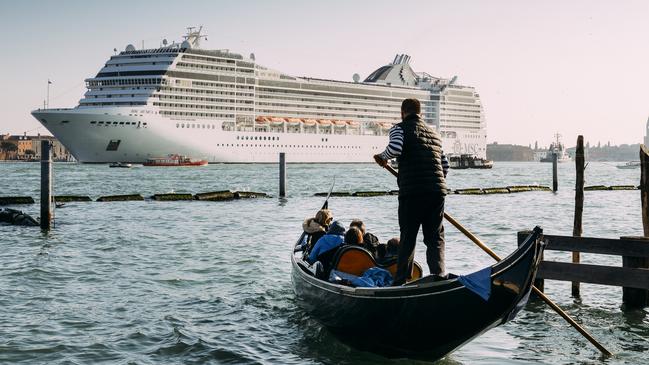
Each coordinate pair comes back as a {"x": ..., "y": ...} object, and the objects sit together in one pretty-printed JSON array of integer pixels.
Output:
[{"x": 223, "y": 107}]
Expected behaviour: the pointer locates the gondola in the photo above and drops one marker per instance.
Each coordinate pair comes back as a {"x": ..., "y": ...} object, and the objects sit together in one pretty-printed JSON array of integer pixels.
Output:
[{"x": 426, "y": 318}]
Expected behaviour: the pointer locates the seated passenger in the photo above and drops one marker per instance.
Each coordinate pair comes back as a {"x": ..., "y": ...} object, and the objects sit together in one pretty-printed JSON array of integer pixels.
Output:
[
  {"x": 324, "y": 249},
  {"x": 370, "y": 241},
  {"x": 316, "y": 227},
  {"x": 387, "y": 253},
  {"x": 354, "y": 236}
]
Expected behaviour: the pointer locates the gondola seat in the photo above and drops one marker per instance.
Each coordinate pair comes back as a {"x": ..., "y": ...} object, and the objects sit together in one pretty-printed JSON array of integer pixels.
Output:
[{"x": 356, "y": 260}]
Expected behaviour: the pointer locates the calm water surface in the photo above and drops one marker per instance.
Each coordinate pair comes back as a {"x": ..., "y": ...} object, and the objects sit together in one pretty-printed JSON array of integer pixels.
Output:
[{"x": 209, "y": 282}]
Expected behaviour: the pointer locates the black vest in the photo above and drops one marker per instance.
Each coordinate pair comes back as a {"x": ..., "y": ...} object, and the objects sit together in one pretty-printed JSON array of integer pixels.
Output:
[{"x": 420, "y": 163}]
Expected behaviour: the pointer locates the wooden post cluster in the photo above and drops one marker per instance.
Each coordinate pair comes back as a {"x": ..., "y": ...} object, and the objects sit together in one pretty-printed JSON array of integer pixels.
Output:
[
  {"x": 579, "y": 203},
  {"x": 46, "y": 184},
  {"x": 282, "y": 174},
  {"x": 555, "y": 180}
]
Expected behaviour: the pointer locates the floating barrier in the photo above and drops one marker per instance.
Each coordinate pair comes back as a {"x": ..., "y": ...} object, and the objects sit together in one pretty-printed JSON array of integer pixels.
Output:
[
  {"x": 612, "y": 187},
  {"x": 70, "y": 198},
  {"x": 249, "y": 194},
  {"x": 496, "y": 191},
  {"x": 172, "y": 197},
  {"x": 215, "y": 195},
  {"x": 10, "y": 200},
  {"x": 519, "y": 188},
  {"x": 120, "y": 198},
  {"x": 335, "y": 193},
  {"x": 371, "y": 193},
  {"x": 623, "y": 187},
  {"x": 595, "y": 187},
  {"x": 470, "y": 191}
]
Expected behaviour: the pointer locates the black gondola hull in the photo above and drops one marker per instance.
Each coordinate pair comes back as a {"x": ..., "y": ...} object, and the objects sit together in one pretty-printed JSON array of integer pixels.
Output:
[{"x": 425, "y": 318}]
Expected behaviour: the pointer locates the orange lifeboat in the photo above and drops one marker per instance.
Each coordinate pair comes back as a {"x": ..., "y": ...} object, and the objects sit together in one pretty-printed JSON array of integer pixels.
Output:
[
  {"x": 294, "y": 121},
  {"x": 261, "y": 120},
  {"x": 353, "y": 123},
  {"x": 310, "y": 122},
  {"x": 386, "y": 125},
  {"x": 340, "y": 123},
  {"x": 277, "y": 121},
  {"x": 324, "y": 122}
]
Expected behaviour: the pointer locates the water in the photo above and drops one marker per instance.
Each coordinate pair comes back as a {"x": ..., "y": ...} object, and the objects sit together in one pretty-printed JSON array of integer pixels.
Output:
[{"x": 209, "y": 282}]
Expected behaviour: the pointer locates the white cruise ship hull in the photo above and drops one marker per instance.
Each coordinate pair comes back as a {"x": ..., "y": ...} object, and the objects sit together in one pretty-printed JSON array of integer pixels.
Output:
[{"x": 138, "y": 137}]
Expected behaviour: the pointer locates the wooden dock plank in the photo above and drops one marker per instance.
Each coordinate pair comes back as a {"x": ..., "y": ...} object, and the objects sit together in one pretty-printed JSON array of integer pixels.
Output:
[
  {"x": 604, "y": 246},
  {"x": 594, "y": 274}
]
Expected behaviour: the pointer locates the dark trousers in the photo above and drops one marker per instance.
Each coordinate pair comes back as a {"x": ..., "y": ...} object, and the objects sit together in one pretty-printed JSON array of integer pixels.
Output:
[{"x": 426, "y": 211}]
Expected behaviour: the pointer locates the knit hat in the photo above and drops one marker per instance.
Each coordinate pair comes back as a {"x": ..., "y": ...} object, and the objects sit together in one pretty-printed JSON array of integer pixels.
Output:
[{"x": 336, "y": 228}]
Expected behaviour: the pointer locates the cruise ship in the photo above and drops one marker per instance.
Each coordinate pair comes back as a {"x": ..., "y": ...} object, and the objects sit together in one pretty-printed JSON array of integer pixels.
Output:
[{"x": 180, "y": 99}]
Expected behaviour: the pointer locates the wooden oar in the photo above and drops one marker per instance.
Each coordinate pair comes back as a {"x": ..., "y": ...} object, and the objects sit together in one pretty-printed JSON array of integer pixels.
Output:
[{"x": 539, "y": 293}]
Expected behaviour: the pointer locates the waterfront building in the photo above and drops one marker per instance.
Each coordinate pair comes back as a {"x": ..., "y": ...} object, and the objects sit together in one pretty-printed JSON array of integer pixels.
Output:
[
  {"x": 29, "y": 148},
  {"x": 224, "y": 107}
]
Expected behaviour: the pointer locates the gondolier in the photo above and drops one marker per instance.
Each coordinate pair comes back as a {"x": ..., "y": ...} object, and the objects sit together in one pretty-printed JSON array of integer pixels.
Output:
[{"x": 422, "y": 188}]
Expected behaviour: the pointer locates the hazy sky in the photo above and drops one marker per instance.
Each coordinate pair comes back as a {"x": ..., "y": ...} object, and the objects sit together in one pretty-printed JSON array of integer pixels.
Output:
[{"x": 573, "y": 67}]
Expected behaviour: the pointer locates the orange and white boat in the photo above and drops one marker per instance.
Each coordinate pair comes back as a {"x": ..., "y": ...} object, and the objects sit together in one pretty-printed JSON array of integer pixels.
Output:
[
  {"x": 310, "y": 122},
  {"x": 277, "y": 121},
  {"x": 174, "y": 160},
  {"x": 294, "y": 121},
  {"x": 353, "y": 124},
  {"x": 324, "y": 122},
  {"x": 340, "y": 123}
]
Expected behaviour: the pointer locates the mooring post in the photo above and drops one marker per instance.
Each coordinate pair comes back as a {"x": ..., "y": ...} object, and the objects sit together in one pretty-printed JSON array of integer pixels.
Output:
[
  {"x": 46, "y": 184},
  {"x": 639, "y": 298},
  {"x": 579, "y": 203},
  {"x": 555, "y": 181},
  {"x": 282, "y": 174}
]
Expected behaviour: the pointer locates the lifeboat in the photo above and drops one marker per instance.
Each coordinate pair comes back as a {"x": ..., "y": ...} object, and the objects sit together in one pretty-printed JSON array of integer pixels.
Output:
[
  {"x": 277, "y": 121},
  {"x": 385, "y": 125},
  {"x": 353, "y": 124},
  {"x": 324, "y": 122},
  {"x": 310, "y": 122},
  {"x": 340, "y": 123},
  {"x": 261, "y": 120},
  {"x": 294, "y": 121}
]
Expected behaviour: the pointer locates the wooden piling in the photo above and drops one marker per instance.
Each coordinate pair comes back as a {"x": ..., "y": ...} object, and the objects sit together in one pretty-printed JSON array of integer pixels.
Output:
[
  {"x": 46, "y": 185},
  {"x": 579, "y": 204},
  {"x": 639, "y": 298},
  {"x": 282, "y": 174},
  {"x": 555, "y": 181}
]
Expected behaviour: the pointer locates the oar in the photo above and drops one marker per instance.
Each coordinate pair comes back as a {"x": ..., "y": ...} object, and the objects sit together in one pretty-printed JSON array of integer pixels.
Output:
[
  {"x": 324, "y": 206},
  {"x": 540, "y": 294}
]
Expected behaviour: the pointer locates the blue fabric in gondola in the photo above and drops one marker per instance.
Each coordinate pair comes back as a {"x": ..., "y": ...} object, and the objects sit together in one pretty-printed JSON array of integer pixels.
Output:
[
  {"x": 478, "y": 282},
  {"x": 371, "y": 278}
]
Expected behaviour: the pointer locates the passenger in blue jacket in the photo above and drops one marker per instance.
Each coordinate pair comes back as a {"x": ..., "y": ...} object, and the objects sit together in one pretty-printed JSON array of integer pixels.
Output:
[{"x": 326, "y": 245}]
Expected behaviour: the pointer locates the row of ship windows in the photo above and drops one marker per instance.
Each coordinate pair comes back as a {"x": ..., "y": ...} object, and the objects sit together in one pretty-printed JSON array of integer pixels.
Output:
[
  {"x": 219, "y": 85},
  {"x": 147, "y": 81},
  {"x": 302, "y": 107},
  {"x": 208, "y": 59},
  {"x": 177, "y": 90},
  {"x": 287, "y": 146},
  {"x": 195, "y": 125},
  {"x": 203, "y": 99},
  {"x": 194, "y": 66},
  {"x": 192, "y": 114},
  {"x": 108, "y": 123},
  {"x": 192, "y": 106},
  {"x": 301, "y": 92}
]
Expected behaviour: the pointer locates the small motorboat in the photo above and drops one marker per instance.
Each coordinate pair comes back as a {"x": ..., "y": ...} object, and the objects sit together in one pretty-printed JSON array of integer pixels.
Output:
[
  {"x": 427, "y": 318},
  {"x": 469, "y": 162},
  {"x": 174, "y": 160},
  {"x": 121, "y": 164},
  {"x": 630, "y": 165}
]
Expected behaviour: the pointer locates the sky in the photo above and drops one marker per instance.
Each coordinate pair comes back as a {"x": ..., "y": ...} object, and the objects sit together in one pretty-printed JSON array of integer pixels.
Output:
[{"x": 540, "y": 67}]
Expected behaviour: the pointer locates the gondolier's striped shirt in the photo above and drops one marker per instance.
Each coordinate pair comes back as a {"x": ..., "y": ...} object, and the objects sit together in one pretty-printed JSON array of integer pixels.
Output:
[{"x": 393, "y": 150}]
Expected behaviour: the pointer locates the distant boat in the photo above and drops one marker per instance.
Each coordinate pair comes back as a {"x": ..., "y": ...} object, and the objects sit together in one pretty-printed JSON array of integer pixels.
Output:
[
  {"x": 121, "y": 164},
  {"x": 469, "y": 162},
  {"x": 174, "y": 160},
  {"x": 630, "y": 165},
  {"x": 558, "y": 149}
]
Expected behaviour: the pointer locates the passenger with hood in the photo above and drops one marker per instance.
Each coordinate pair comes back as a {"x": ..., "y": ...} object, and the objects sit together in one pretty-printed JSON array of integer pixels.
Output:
[
  {"x": 370, "y": 241},
  {"x": 316, "y": 227},
  {"x": 326, "y": 246}
]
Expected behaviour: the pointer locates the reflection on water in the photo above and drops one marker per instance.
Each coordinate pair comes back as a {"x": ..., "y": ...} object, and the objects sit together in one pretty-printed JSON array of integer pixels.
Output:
[{"x": 209, "y": 282}]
